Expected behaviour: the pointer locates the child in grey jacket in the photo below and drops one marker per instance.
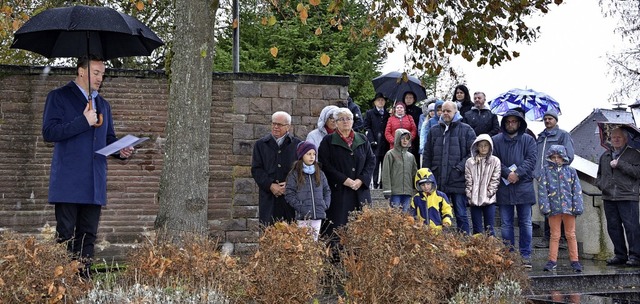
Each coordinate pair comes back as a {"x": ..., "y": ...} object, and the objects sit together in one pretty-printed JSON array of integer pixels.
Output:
[{"x": 307, "y": 189}]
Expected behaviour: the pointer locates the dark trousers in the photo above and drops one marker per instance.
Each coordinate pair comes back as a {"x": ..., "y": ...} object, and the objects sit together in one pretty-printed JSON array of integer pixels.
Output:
[
  {"x": 376, "y": 171},
  {"x": 623, "y": 220},
  {"x": 77, "y": 224}
]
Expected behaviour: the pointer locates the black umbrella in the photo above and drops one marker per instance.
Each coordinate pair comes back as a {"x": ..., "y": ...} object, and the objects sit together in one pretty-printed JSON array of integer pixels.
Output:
[
  {"x": 78, "y": 31},
  {"x": 393, "y": 85}
]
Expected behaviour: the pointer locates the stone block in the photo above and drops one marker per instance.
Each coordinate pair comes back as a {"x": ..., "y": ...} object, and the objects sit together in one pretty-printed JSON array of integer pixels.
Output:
[
  {"x": 243, "y": 131},
  {"x": 242, "y": 236},
  {"x": 309, "y": 91},
  {"x": 244, "y": 185},
  {"x": 288, "y": 90},
  {"x": 243, "y": 147},
  {"x": 241, "y": 105},
  {"x": 270, "y": 89},
  {"x": 246, "y": 89},
  {"x": 282, "y": 104},
  {"x": 260, "y": 106}
]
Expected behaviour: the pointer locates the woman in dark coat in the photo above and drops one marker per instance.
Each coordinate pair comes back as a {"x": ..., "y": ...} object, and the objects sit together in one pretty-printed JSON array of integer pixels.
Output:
[{"x": 348, "y": 161}]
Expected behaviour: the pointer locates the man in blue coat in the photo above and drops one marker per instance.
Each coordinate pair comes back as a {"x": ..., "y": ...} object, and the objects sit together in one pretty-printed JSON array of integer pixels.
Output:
[
  {"x": 517, "y": 153},
  {"x": 273, "y": 156},
  {"x": 78, "y": 178}
]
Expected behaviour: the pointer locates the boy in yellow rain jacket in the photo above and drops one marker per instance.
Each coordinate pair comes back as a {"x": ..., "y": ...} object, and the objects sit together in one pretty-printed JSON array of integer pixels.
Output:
[{"x": 429, "y": 204}]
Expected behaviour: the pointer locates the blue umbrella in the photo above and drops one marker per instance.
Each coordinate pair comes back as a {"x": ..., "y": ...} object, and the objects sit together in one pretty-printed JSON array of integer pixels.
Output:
[
  {"x": 533, "y": 103},
  {"x": 393, "y": 85}
]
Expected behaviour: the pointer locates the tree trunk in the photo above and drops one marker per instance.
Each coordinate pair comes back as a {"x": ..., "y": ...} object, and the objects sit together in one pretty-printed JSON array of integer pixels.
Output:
[{"x": 183, "y": 195}]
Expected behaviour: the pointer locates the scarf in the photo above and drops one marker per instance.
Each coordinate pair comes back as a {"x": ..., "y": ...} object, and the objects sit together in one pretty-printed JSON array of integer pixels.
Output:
[
  {"x": 349, "y": 138},
  {"x": 308, "y": 169}
]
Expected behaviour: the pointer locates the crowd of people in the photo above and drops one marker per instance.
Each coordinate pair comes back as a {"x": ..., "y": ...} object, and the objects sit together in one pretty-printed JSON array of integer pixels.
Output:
[{"x": 440, "y": 161}]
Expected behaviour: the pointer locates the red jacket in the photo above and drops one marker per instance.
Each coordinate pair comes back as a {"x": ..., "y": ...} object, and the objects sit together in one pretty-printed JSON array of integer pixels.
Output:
[{"x": 394, "y": 122}]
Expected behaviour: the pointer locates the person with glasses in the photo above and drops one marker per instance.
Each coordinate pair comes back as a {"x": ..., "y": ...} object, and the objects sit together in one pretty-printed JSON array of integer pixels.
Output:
[
  {"x": 347, "y": 160},
  {"x": 326, "y": 125},
  {"x": 273, "y": 156},
  {"x": 517, "y": 153}
]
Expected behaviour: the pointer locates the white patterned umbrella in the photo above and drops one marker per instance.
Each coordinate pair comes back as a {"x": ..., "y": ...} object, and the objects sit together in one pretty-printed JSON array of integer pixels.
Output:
[{"x": 534, "y": 104}]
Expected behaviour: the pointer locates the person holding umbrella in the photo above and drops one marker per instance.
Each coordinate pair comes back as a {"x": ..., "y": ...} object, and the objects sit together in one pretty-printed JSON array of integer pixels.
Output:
[
  {"x": 618, "y": 176},
  {"x": 78, "y": 178}
]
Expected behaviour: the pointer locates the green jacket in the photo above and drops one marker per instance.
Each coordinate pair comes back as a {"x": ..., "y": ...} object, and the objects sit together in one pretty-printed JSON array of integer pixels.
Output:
[{"x": 398, "y": 168}]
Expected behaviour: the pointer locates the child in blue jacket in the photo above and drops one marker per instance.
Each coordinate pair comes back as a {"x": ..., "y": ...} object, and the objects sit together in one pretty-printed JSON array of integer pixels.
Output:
[
  {"x": 429, "y": 204},
  {"x": 307, "y": 189},
  {"x": 560, "y": 198}
]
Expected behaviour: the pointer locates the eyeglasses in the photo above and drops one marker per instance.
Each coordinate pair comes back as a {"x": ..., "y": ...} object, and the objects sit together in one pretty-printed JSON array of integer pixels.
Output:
[
  {"x": 279, "y": 125},
  {"x": 343, "y": 119}
]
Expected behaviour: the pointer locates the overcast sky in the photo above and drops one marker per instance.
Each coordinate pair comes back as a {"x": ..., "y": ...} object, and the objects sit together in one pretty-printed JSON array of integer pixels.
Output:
[{"x": 568, "y": 62}]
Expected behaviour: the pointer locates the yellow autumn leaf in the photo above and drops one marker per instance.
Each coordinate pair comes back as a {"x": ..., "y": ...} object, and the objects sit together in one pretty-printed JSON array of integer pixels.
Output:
[
  {"x": 274, "y": 51},
  {"x": 272, "y": 20},
  {"x": 299, "y": 7},
  {"x": 340, "y": 27},
  {"x": 318, "y": 31},
  {"x": 324, "y": 59},
  {"x": 304, "y": 15},
  {"x": 140, "y": 5},
  {"x": 234, "y": 24},
  {"x": 314, "y": 2}
]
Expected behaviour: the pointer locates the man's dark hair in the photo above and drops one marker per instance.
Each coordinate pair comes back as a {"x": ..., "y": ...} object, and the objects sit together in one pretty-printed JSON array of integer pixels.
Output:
[{"x": 83, "y": 62}]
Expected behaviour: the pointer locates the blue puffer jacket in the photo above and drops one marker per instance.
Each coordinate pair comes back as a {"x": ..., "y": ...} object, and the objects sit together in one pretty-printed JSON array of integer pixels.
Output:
[
  {"x": 519, "y": 151},
  {"x": 309, "y": 200},
  {"x": 559, "y": 190}
]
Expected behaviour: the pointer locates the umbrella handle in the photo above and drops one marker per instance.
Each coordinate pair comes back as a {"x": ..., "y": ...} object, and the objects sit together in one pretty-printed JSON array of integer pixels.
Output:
[{"x": 99, "y": 123}]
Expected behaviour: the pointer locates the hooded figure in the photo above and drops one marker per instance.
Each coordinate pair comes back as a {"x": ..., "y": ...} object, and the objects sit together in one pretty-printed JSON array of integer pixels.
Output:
[
  {"x": 428, "y": 123},
  {"x": 482, "y": 174},
  {"x": 559, "y": 189},
  {"x": 430, "y": 205},
  {"x": 398, "y": 168},
  {"x": 316, "y": 135}
]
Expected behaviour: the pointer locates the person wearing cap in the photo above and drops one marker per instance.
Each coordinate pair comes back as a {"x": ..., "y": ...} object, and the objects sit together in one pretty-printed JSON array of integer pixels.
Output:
[
  {"x": 398, "y": 120},
  {"x": 326, "y": 125},
  {"x": 307, "y": 189},
  {"x": 430, "y": 205},
  {"x": 551, "y": 135},
  {"x": 480, "y": 117},
  {"x": 617, "y": 178},
  {"x": 271, "y": 162},
  {"x": 347, "y": 160},
  {"x": 375, "y": 121},
  {"x": 517, "y": 153},
  {"x": 446, "y": 152}
]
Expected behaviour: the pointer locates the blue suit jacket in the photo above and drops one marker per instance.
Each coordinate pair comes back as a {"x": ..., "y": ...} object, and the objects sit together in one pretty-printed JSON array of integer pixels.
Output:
[{"x": 78, "y": 175}]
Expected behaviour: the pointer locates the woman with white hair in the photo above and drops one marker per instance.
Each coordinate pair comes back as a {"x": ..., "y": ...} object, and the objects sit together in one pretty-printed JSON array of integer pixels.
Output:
[{"x": 348, "y": 161}]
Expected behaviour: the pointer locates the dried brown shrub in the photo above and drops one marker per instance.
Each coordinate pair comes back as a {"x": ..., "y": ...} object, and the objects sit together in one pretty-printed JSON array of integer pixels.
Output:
[
  {"x": 192, "y": 265},
  {"x": 288, "y": 267},
  {"x": 391, "y": 258},
  {"x": 34, "y": 271}
]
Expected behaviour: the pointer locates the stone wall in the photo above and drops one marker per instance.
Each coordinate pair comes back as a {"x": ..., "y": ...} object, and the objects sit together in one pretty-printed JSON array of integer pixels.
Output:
[{"x": 241, "y": 108}]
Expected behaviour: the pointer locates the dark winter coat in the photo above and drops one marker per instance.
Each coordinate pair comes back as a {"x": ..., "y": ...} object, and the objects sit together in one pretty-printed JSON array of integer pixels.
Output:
[
  {"x": 546, "y": 139},
  {"x": 271, "y": 164},
  {"x": 375, "y": 124},
  {"x": 339, "y": 162},
  {"x": 446, "y": 153},
  {"x": 78, "y": 174},
  {"x": 621, "y": 183},
  {"x": 520, "y": 151},
  {"x": 482, "y": 121},
  {"x": 309, "y": 200}
]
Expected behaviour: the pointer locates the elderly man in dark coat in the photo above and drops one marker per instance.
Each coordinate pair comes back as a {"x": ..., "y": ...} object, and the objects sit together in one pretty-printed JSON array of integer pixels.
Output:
[
  {"x": 78, "y": 180},
  {"x": 273, "y": 156},
  {"x": 517, "y": 153},
  {"x": 446, "y": 152},
  {"x": 347, "y": 160}
]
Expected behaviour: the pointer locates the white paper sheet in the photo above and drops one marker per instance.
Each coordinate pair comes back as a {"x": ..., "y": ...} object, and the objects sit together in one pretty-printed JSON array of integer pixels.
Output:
[{"x": 127, "y": 141}]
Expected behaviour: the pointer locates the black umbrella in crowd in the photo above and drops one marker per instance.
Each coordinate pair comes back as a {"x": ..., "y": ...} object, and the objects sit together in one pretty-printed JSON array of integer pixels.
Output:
[
  {"x": 78, "y": 31},
  {"x": 393, "y": 85}
]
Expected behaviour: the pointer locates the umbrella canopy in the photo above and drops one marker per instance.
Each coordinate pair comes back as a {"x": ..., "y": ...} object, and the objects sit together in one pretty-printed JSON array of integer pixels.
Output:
[
  {"x": 605, "y": 128},
  {"x": 393, "y": 85},
  {"x": 78, "y": 31},
  {"x": 533, "y": 103}
]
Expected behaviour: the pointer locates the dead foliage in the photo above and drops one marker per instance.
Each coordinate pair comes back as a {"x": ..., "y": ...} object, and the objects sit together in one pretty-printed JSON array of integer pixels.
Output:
[
  {"x": 193, "y": 264},
  {"x": 34, "y": 271},
  {"x": 288, "y": 267},
  {"x": 389, "y": 257}
]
